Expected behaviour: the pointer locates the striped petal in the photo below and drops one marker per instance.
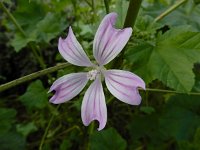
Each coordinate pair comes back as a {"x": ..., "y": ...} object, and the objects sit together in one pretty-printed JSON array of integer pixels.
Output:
[
  {"x": 108, "y": 41},
  {"x": 123, "y": 85},
  {"x": 67, "y": 87},
  {"x": 94, "y": 105},
  {"x": 72, "y": 51}
]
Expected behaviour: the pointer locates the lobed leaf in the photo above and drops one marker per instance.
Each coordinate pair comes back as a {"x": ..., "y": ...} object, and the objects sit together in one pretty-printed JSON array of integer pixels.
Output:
[
  {"x": 170, "y": 59},
  {"x": 35, "y": 96},
  {"x": 107, "y": 140}
]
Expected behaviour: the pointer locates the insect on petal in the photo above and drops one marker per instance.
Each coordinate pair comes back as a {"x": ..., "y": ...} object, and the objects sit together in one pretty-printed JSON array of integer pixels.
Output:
[
  {"x": 72, "y": 51},
  {"x": 123, "y": 85},
  {"x": 67, "y": 87},
  {"x": 108, "y": 41},
  {"x": 94, "y": 105}
]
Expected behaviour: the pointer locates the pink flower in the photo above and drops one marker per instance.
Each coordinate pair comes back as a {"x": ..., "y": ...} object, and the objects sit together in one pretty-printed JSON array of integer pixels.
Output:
[{"x": 108, "y": 43}]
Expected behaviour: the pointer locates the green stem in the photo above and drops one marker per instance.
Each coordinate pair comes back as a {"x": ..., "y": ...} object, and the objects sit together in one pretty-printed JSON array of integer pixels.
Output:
[
  {"x": 34, "y": 50},
  {"x": 106, "y": 3},
  {"x": 132, "y": 13},
  {"x": 88, "y": 3},
  {"x": 133, "y": 9},
  {"x": 12, "y": 19},
  {"x": 47, "y": 129},
  {"x": 32, "y": 76},
  {"x": 93, "y": 5},
  {"x": 37, "y": 56},
  {"x": 169, "y": 10},
  {"x": 93, "y": 11},
  {"x": 90, "y": 131},
  {"x": 169, "y": 91}
]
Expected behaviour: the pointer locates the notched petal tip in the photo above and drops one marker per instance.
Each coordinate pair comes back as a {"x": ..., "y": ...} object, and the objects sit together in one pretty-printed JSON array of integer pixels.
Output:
[
  {"x": 142, "y": 85},
  {"x": 70, "y": 32},
  {"x": 124, "y": 85},
  {"x": 72, "y": 51},
  {"x": 109, "y": 41},
  {"x": 94, "y": 105},
  {"x": 101, "y": 125},
  {"x": 67, "y": 87},
  {"x": 60, "y": 40},
  {"x": 112, "y": 17},
  {"x": 53, "y": 99}
]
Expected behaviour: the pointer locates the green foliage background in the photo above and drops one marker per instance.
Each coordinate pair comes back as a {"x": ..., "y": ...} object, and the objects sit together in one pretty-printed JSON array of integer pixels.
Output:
[{"x": 166, "y": 54}]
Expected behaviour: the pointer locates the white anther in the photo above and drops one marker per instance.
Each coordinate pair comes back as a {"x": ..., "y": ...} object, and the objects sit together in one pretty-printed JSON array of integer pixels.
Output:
[{"x": 91, "y": 75}]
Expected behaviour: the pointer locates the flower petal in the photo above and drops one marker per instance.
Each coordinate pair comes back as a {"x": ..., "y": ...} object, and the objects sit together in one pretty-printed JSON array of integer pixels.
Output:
[
  {"x": 72, "y": 51},
  {"x": 123, "y": 85},
  {"x": 94, "y": 105},
  {"x": 108, "y": 41},
  {"x": 67, "y": 87}
]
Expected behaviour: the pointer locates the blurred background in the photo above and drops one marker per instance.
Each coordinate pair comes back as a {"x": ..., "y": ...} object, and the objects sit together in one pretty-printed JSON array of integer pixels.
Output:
[{"x": 29, "y": 32}]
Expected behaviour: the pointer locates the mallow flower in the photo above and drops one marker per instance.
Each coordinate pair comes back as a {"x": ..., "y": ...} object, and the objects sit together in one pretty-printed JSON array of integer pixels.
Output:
[{"x": 108, "y": 43}]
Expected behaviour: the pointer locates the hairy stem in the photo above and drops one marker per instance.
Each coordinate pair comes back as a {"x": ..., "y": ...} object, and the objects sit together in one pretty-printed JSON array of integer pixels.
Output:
[
  {"x": 32, "y": 76},
  {"x": 169, "y": 10}
]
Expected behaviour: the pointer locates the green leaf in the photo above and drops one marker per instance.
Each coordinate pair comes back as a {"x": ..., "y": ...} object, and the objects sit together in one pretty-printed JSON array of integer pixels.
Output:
[
  {"x": 7, "y": 117},
  {"x": 12, "y": 140},
  {"x": 197, "y": 2},
  {"x": 108, "y": 139},
  {"x": 170, "y": 59},
  {"x": 21, "y": 41},
  {"x": 147, "y": 109},
  {"x": 177, "y": 121},
  {"x": 145, "y": 126},
  {"x": 139, "y": 56},
  {"x": 65, "y": 145},
  {"x": 42, "y": 27},
  {"x": 181, "y": 117},
  {"x": 60, "y": 4},
  {"x": 187, "y": 14},
  {"x": 26, "y": 129},
  {"x": 44, "y": 30},
  {"x": 28, "y": 14},
  {"x": 191, "y": 145},
  {"x": 50, "y": 27},
  {"x": 35, "y": 96}
]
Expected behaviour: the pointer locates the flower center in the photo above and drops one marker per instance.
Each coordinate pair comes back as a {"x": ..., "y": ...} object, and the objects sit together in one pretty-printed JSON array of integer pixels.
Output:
[{"x": 91, "y": 75}]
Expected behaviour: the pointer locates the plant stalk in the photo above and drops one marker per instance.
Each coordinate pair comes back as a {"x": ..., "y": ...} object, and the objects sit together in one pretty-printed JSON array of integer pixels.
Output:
[
  {"x": 106, "y": 3},
  {"x": 169, "y": 10},
  {"x": 90, "y": 131},
  {"x": 32, "y": 76},
  {"x": 47, "y": 129},
  {"x": 12, "y": 18},
  {"x": 132, "y": 13},
  {"x": 170, "y": 91}
]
